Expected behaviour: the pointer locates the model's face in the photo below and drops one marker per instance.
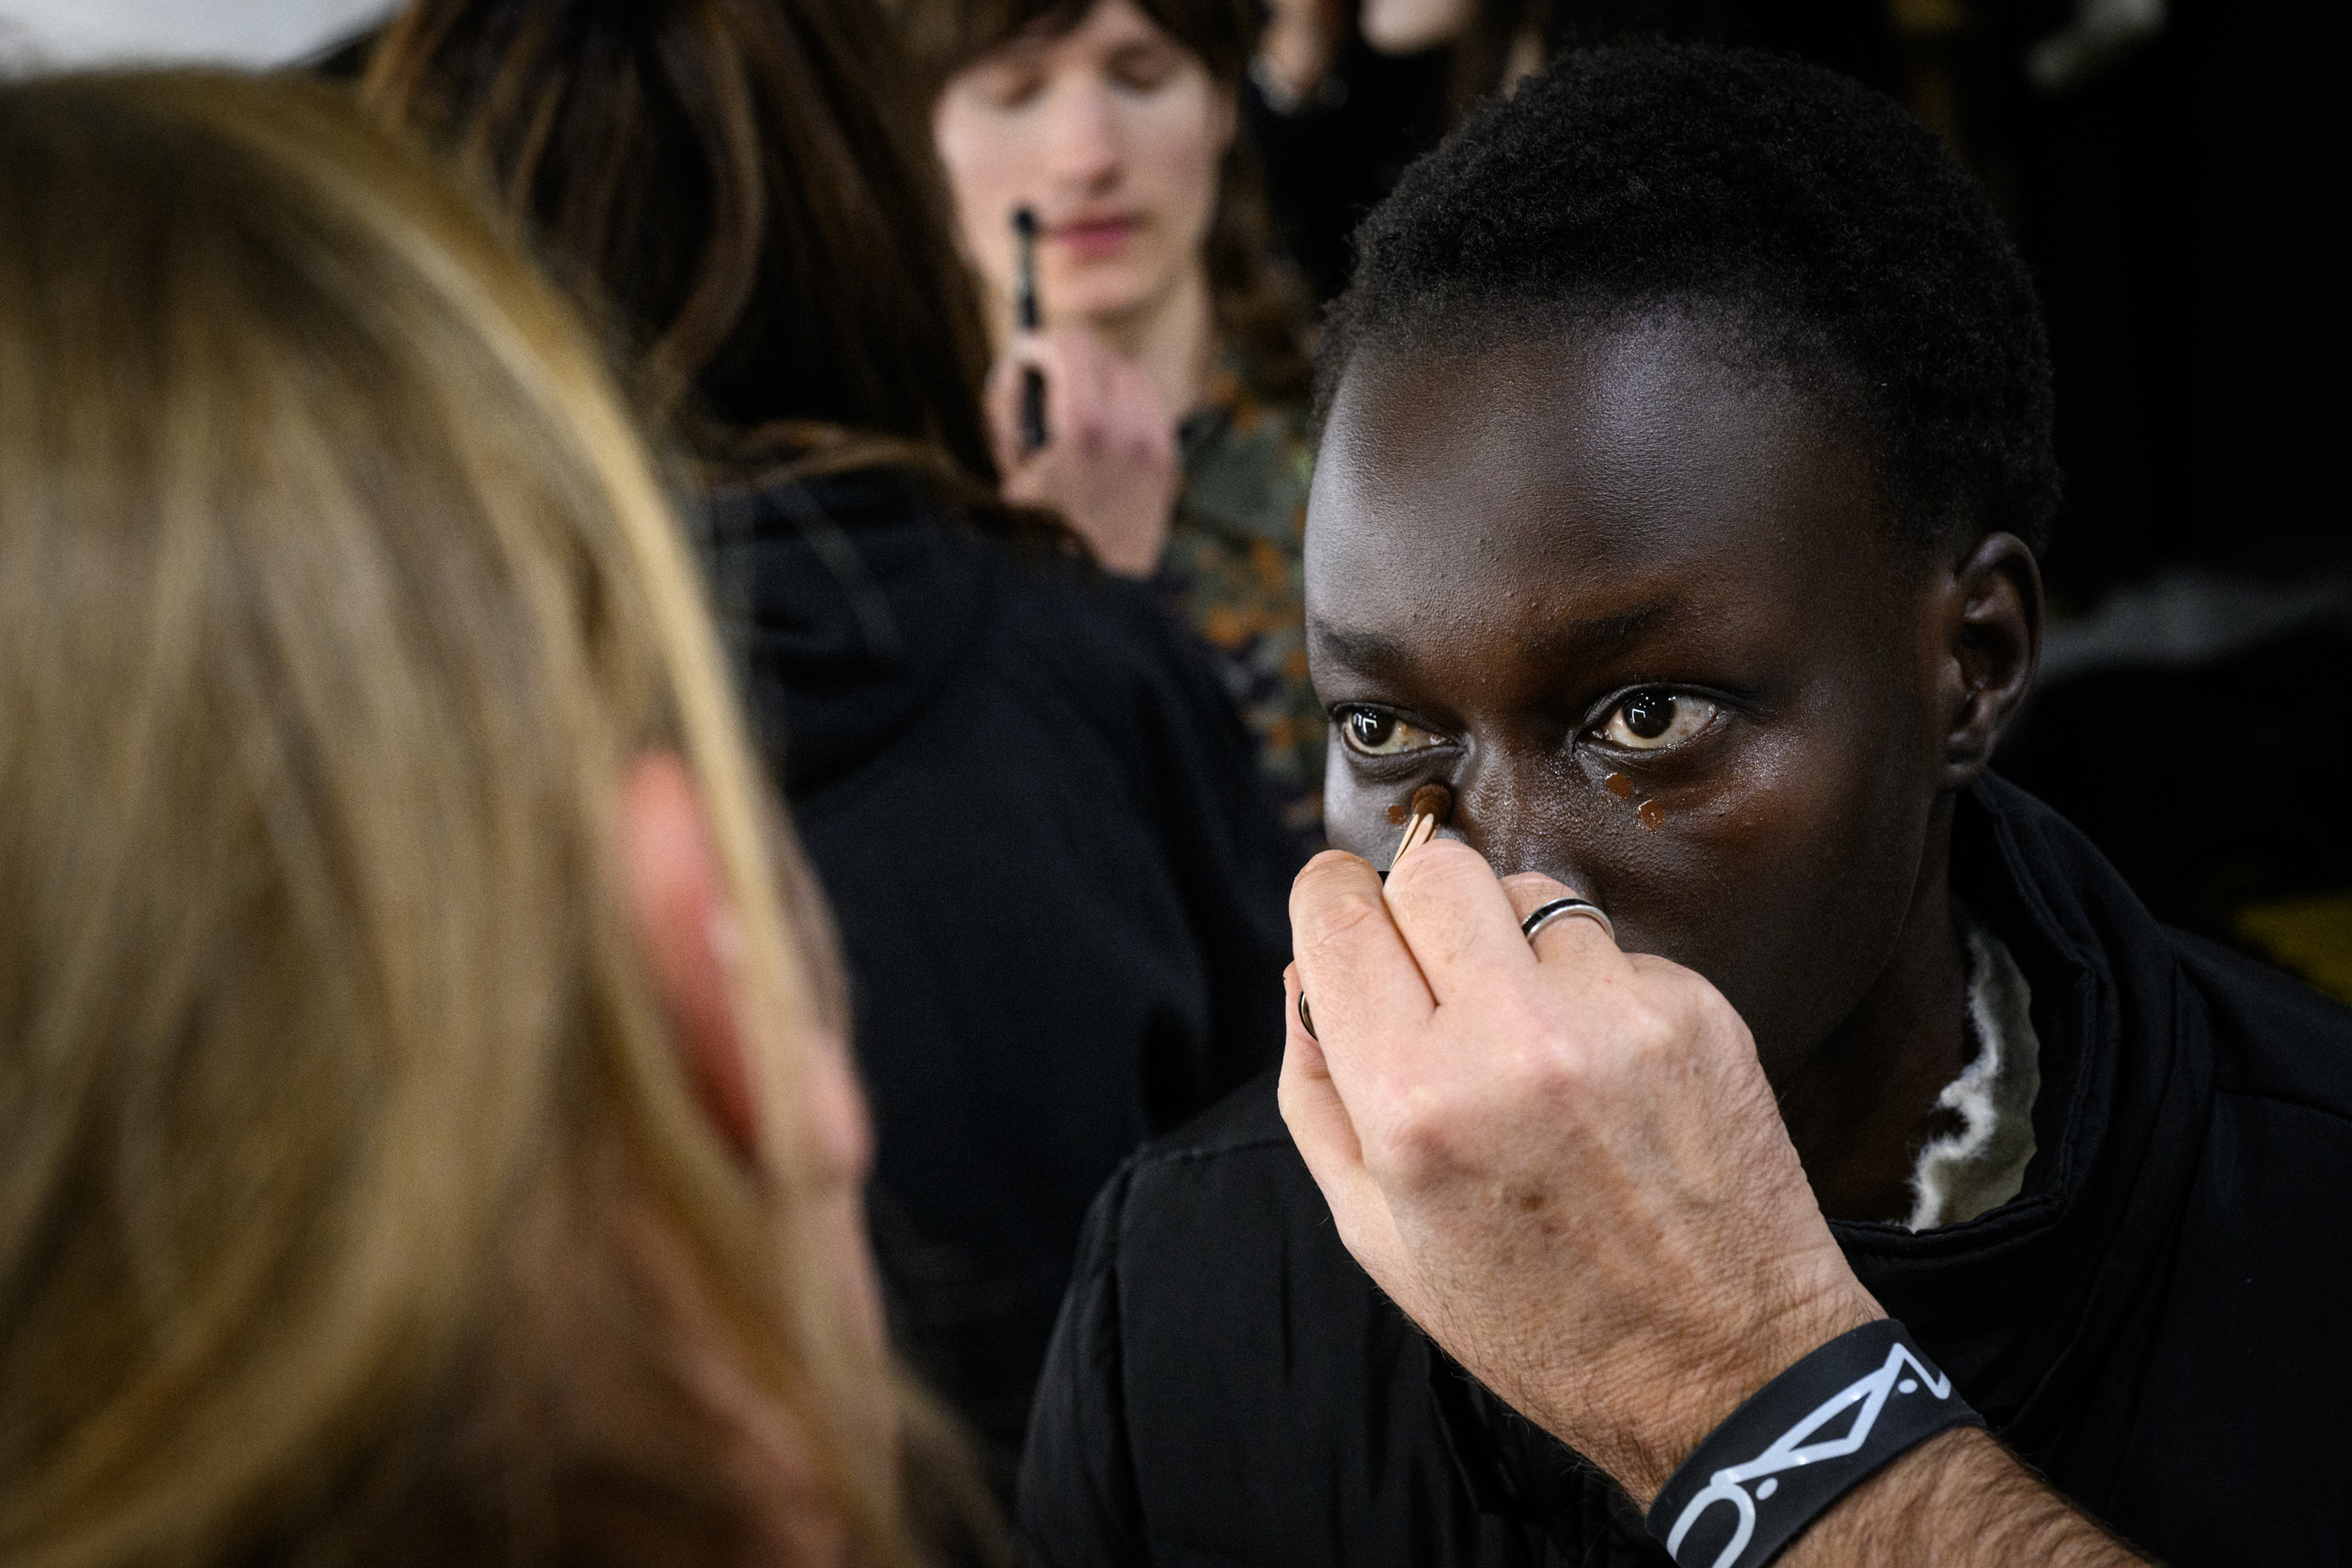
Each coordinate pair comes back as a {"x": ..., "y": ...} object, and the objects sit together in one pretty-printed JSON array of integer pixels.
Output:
[
  {"x": 1645, "y": 618},
  {"x": 1111, "y": 132}
]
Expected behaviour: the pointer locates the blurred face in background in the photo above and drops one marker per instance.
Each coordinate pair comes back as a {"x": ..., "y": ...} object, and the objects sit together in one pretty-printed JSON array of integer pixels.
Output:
[{"x": 1112, "y": 132}]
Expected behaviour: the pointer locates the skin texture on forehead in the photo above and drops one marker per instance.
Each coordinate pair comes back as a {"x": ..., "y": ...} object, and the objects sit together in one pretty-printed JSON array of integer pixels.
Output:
[{"x": 1507, "y": 543}]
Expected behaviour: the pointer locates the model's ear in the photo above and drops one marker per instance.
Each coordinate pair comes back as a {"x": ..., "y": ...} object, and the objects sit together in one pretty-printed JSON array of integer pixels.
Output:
[
  {"x": 1994, "y": 640},
  {"x": 686, "y": 929}
]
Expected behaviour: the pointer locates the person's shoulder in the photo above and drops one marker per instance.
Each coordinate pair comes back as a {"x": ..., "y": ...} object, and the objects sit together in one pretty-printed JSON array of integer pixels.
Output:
[
  {"x": 1220, "y": 1221},
  {"x": 1034, "y": 616},
  {"x": 1106, "y": 646},
  {"x": 2069, "y": 913},
  {"x": 1230, "y": 1178},
  {"x": 2280, "y": 1038},
  {"x": 863, "y": 504},
  {"x": 1248, "y": 461},
  {"x": 1227, "y": 1384},
  {"x": 1246, "y": 1126},
  {"x": 1057, "y": 598}
]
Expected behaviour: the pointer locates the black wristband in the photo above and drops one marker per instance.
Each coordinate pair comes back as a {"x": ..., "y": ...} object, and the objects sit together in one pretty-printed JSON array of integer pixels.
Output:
[{"x": 1801, "y": 1442}]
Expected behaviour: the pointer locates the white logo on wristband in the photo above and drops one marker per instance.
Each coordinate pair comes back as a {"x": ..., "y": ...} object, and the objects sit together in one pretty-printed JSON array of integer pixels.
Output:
[{"x": 1790, "y": 1450}]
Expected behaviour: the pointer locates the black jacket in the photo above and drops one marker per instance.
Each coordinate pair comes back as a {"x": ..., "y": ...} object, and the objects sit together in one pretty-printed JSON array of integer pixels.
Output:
[
  {"x": 2161, "y": 1320},
  {"x": 1060, "y": 887}
]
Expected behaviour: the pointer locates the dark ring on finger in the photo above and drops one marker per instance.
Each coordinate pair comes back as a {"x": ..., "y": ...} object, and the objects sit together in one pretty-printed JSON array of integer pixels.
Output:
[
  {"x": 1306, "y": 1018},
  {"x": 1544, "y": 914}
]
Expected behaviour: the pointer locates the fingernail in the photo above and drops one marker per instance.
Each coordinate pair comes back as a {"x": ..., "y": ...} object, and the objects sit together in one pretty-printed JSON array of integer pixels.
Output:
[{"x": 1306, "y": 1018}]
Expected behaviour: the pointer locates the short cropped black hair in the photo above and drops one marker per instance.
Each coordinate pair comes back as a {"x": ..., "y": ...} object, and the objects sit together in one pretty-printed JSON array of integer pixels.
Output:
[{"x": 1810, "y": 213}]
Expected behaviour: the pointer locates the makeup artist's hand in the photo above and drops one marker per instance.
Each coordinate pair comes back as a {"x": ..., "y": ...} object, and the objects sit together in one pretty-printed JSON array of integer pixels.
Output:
[
  {"x": 1561, "y": 1160},
  {"x": 1108, "y": 464}
]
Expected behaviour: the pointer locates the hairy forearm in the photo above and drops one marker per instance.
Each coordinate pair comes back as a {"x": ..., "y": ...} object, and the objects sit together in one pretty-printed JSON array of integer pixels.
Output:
[{"x": 1955, "y": 1501}]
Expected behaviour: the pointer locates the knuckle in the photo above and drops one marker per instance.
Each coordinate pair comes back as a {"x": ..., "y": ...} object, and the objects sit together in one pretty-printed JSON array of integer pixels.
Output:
[
  {"x": 1333, "y": 919},
  {"x": 1556, "y": 1065},
  {"x": 1530, "y": 888},
  {"x": 1335, "y": 895},
  {"x": 1695, "y": 1002},
  {"x": 1418, "y": 1140},
  {"x": 1675, "y": 1014},
  {"x": 1442, "y": 863},
  {"x": 1328, "y": 871},
  {"x": 1647, "y": 1020}
]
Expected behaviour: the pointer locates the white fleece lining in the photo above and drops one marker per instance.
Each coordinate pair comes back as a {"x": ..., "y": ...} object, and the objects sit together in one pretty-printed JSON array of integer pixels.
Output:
[{"x": 1982, "y": 1165}]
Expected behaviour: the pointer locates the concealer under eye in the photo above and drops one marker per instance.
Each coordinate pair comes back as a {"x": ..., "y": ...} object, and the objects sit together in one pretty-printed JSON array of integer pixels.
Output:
[
  {"x": 1654, "y": 720},
  {"x": 1370, "y": 733}
]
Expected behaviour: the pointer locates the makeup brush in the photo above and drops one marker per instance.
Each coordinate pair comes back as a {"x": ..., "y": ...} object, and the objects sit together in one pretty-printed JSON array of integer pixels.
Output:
[
  {"x": 1025, "y": 305},
  {"x": 1432, "y": 804}
]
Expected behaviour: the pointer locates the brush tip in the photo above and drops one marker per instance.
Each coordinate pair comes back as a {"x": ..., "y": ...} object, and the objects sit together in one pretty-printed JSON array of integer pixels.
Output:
[
  {"x": 1025, "y": 222},
  {"x": 1432, "y": 799}
]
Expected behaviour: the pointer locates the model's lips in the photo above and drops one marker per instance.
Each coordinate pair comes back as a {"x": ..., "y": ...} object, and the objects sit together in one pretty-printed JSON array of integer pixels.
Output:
[{"x": 1096, "y": 236}]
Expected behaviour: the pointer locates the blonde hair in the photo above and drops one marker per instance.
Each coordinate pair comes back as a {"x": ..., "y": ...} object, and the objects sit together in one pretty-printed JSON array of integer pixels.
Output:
[{"x": 338, "y": 1120}]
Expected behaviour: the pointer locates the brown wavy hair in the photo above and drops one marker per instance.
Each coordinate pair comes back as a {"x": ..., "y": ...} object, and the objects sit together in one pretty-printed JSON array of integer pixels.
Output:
[
  {"x": 1261, "y": 309},
  {"x": 355, "y": 1205},
  {"x": 747, "y": 186}
]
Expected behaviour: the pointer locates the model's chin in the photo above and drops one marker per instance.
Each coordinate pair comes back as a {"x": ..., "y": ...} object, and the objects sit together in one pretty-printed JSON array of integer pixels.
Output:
[
  {"x": 1093, "y": 299},
  {"x": 1104, "y": 288}
]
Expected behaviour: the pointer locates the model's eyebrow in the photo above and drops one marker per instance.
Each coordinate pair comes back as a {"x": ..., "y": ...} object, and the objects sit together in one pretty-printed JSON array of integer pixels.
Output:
[
  {"x": 1599, "y": 634},
  {"x": 1366, "y": 651},
  {"x": 1375, "y": 653}
]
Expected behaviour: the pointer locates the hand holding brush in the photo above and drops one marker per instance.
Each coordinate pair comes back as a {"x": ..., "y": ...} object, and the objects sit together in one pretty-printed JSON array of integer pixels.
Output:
[{"x": 1080, "y": 430}]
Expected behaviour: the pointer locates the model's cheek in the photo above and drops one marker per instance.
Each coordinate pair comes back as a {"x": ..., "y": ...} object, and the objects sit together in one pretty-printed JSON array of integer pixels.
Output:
[
  {"x": 987, "y": 176},
  {"x": 1781, "y": 891},
  {"x": 1679, "y": 862},
  {"x": 1769, "y": 808},
  {"x": 1352, "y": 815},
  {"x": 1173, "y": 158}
]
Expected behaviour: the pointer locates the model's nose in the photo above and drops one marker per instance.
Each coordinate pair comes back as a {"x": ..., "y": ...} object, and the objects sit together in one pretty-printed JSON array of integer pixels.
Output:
[
  {"x": 1514, "y": 816},
  {"x": 1084, "y": 136}
]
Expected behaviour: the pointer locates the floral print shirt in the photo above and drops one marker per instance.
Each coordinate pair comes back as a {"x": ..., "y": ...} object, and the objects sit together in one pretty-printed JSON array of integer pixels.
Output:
[{"x": 1233, "y": 573}]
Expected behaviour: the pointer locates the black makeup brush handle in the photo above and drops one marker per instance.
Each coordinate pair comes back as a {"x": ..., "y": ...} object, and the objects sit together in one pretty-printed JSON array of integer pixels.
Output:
[{"x": 1032, "y": 408}]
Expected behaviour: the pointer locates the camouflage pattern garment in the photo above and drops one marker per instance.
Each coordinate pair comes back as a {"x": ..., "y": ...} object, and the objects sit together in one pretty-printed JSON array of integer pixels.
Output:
[{"x": 1232, "y": 573}]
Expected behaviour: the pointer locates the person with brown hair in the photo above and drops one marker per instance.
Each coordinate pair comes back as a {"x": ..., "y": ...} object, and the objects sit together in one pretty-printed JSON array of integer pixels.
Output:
[
  {"x": 1113, "y": 124},
  {"x": 1059, "y": 884},
  {"x": 425, "y": 1133}
]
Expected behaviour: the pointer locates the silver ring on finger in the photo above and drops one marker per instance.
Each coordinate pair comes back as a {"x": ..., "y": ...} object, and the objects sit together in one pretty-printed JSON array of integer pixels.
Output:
[{"x": 1544, "y": 914}]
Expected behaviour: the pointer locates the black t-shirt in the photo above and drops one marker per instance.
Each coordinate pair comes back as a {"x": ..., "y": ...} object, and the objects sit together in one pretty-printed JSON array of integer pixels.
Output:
[
  {"x": 2161, "y": 1322},
  {"x": 1059, "y": 883}
]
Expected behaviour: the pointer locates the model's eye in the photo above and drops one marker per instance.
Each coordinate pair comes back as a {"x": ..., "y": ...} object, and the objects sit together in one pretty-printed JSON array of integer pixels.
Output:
[
  {"x": 1372, "y": 733},
  {"x": 1146, "y": 67},
  {"x": 1008, "y": 82},
  {"x": 1653, "y": 720}
]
